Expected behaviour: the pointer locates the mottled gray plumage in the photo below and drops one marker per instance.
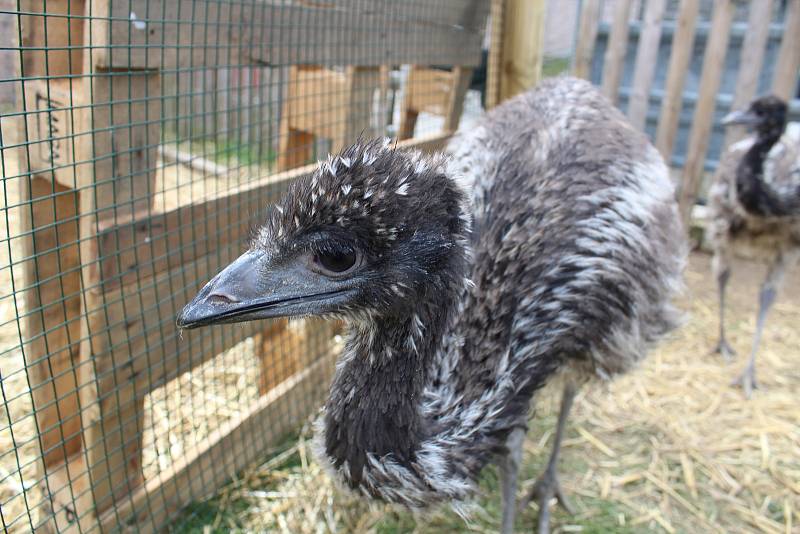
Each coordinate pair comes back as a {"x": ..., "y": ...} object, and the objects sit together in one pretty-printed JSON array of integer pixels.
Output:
[
  {"x": 754, "y": 203},
  {"x": 547, "y": 240}
]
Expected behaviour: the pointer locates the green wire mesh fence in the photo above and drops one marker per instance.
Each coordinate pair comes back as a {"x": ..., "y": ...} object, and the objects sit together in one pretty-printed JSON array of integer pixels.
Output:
[{"x": 145, "y": 139}]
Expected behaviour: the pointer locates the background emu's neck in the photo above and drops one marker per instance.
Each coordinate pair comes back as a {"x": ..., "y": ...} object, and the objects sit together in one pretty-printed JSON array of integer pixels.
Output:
[{"x": 753, "y": 193}]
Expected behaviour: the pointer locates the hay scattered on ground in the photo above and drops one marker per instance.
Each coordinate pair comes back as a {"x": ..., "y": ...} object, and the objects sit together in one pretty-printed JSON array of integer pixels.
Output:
[{"x": 670, "y": 448}]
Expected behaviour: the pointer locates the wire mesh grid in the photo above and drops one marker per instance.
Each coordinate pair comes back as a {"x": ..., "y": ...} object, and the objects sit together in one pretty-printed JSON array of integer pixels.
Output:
[{"x": 146, "y": 138}]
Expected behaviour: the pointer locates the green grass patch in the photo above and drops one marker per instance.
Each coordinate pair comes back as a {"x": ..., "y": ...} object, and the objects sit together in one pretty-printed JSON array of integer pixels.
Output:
[{"x": 553, "y": 66}]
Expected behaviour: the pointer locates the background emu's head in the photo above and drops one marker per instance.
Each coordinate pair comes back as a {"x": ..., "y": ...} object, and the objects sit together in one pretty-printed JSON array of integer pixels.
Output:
[
  {"x": 372, "y": 232},
  {"x": 766, "y": 114}
]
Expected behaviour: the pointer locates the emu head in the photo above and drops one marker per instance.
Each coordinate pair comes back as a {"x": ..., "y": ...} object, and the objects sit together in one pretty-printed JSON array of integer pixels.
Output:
[
  {"x": 766, "y": 114},
  {"x": 372, "y": 232}
]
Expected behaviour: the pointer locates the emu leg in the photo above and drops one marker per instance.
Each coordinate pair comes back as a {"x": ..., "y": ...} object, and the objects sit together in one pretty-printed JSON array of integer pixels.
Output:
[
  {"x": 548, "y": 486},
  {"x": 723, "y": 274},
  {"x": 747, "y": 380},
  {"x": 510, "y": 470}
]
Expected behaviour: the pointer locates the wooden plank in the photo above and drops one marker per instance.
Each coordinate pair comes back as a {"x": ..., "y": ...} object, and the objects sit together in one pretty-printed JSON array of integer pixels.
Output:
[
  {"x": 52, "y": 45},
  {"x": 494, "y": 61},
  {"x": 681, "y": 55},
  {"x": 226, "y": 451},
  {"x": 646, "y": 60},
  {"x": 614, "y": 60},
  {"x": 116, "y": 165},
  {"x": 68, "y": 497},
  {"x": 52, "y": 124},
  {"x": 51, "y": 292},
  {"x": 306, "y": 106},
  {"x": 713, "y": 65},
  {"x": 184, "y": 33},
  {"x": 523, "y": 46},
  {"x": 455, "y": 103},
  {"x": 118, "y": 155},
  {"x": 587, "y": 35},
  {"x": 784, "y": 83},
  {"x": 750, "y": 63}
]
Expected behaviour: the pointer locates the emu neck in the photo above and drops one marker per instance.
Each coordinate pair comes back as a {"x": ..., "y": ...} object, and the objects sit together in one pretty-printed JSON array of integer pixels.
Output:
[
  {"x": 753, "y": 193},
  {"x": 374, "y": 406}
]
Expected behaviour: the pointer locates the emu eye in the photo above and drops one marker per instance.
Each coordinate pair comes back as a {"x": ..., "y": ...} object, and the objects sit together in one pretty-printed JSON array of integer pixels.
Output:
[{"x": 336, "y": 261}]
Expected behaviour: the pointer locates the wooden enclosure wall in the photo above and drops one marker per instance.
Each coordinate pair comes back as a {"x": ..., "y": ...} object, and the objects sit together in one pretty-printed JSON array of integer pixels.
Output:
[{"x": 110, "y": 255}]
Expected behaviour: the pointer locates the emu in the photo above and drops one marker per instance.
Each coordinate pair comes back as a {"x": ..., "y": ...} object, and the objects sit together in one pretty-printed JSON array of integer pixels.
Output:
[
  {"x": 547, "y": 241},
  {"x": 755, "y": 205}
]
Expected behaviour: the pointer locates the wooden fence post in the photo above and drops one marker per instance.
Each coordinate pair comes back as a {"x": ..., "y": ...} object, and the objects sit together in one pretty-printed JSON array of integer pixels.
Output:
[
  {"x": 614, "y": 60},
  {"x": 681, "y": 55},
  {"x": 645, "y": 66},
  {"x": 50, "y": 248},
  {"x": 587, "y": 35},
  {"x": 516, "y": 53},
  {"x": 713, "y": 65},
  {"x": 119, "y": 160}
]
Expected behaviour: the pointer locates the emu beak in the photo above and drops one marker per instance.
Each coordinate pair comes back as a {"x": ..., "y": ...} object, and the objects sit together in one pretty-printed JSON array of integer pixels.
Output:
[
  {"x": 747, "y": 118},
  {"x": 250, "y": 288}
]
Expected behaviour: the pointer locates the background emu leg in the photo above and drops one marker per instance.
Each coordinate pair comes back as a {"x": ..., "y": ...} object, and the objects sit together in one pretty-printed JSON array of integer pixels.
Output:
[
  {"x": 548, "y": 486},
  {"x": 510, "y": 470},
  {"x": 722, "y": 272},
  {"x": 769, "y": 289}
]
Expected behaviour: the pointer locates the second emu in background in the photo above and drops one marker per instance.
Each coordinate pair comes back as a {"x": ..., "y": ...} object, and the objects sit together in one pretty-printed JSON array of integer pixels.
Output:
[{"x": 755, "y": 206}]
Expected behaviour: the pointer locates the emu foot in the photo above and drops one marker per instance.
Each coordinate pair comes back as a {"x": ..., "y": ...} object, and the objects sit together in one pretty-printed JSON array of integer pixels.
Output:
[
  {"x": 747, "y": 381},
  {"x": 543, "y": 491},
  {"x": 724, "y": 349}
]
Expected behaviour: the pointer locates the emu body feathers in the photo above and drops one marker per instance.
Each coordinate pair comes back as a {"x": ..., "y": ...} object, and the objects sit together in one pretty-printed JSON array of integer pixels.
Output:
[{"x": 547, "y": 240}]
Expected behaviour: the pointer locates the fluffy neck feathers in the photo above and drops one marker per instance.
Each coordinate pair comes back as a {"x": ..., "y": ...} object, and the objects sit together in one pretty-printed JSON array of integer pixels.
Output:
[
  {"x": 415, "y": 413},
  {"x": 753, "y": 192}
]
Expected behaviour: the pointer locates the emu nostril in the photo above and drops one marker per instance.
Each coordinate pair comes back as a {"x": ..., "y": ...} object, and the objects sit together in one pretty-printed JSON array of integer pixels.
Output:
[{"x": 218, "y": 297}]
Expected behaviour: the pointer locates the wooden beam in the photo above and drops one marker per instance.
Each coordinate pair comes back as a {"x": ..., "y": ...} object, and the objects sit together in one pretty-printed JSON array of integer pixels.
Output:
[
  {"x": 225, "y": 452},
  {"x": 713, "y": 65},
  {"x": 523, "y": 46},
  {"x": 494, "y": 61},
  {"x": 784, "y": 83},
  {"x": 51, "y": 47},
  {"x": 681, "y": 55},
  {"x": 587, "y": 35},
  {"x": 52, "y": 296},
  {"x": 617, "y": 49},
  {"x": 116, "y": 163},
  {"x": 167, "y": 34},
  {"x": 645, "y": 66},
  {"x": 750, "y": 63},
  {"x": 455, "y": 102}
]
